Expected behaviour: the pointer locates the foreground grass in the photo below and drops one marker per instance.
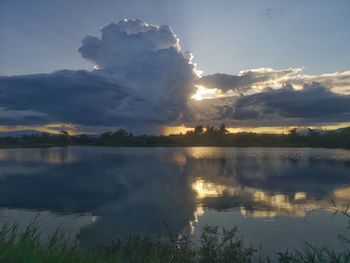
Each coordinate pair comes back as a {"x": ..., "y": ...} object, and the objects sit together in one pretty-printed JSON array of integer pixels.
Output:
[{"x": 27, "y": 246}]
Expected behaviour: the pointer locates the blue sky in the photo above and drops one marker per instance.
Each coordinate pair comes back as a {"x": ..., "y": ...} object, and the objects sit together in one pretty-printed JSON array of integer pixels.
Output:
[
  {"x": 104, "y": 65},
  {"x": 224, "y": 36}
]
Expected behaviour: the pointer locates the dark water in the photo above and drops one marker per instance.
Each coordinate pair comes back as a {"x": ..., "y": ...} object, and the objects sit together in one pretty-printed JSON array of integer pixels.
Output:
[{"x": 273, "y": 195}]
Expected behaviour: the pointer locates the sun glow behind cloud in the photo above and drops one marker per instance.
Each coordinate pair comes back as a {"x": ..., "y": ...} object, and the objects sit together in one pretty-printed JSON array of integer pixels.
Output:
[
  {"x": 203, "y": 93},
  {"x": 167, "y": 130},
  {"x": 162, "y": 98}
]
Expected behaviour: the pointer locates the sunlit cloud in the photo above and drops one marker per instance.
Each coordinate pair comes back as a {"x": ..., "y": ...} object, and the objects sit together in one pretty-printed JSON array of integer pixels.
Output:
[
  {"x": 205, "y": 93},
  {"x": 247, "y": 81},
  {"x": 140, "y": 77},
  {"x": 338, "y": 82},
  {"x": 53, "y": 128},
  {"x": 252, "y": 81},
  {"x": 143, "y": 81}
]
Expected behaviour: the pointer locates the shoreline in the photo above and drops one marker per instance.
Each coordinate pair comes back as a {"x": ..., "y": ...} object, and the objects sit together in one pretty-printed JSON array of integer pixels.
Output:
[{"x": 167, "y": 146}]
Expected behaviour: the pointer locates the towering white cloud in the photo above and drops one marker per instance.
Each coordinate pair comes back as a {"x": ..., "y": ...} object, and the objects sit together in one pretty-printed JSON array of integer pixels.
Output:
[
  {"x": 124, "y": 44},
  {"x": 148, "y": 61},
  {"x": 142, "y": 78}
]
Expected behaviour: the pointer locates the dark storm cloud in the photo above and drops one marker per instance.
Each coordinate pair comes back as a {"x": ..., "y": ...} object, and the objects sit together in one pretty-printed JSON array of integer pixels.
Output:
[
  {"x": 63, "y": 96},
  {"x": 142, "y": 77},
  {"x": 143, "y": 80},
  {"x": 313, "y": 104}
]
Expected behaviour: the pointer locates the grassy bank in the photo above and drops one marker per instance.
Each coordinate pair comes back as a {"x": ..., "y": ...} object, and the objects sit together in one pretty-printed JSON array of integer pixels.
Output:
[{"x": 26, "y": 245}]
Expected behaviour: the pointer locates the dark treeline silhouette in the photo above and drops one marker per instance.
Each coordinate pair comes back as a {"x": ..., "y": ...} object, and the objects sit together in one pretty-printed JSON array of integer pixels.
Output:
[{"x": 199, "y": 136}]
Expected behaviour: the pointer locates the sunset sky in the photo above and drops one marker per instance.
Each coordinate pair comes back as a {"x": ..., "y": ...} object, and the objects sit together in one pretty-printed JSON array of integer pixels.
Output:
[{"x": 164, "y": 66}]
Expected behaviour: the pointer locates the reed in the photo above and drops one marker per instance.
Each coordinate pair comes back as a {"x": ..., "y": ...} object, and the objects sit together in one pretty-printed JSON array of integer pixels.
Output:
[{"x": 216, "y": 245}]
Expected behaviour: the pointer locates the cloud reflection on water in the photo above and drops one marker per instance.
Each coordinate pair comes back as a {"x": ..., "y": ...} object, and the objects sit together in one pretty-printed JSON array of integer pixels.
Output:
[{"x": 156, "y": 190}]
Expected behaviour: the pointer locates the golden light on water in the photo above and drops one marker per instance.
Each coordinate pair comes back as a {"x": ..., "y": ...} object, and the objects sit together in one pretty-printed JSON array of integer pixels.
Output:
[
  {"x": 198, "y": 212},
  {"x": 261, "y": 204},
  {"x": 257, "y": 213},
  {"x": 342, "y": 193},
  {"x": 205, "y": 189},
  {"x": 203, "y": 152}
]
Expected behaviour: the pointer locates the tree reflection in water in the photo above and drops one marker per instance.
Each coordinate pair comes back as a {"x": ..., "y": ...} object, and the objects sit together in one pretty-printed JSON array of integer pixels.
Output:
[{"x": 157, "y": 190}]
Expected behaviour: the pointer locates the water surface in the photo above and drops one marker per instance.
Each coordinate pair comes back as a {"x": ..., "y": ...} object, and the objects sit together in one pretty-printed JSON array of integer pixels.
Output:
[{"x": 277, "y": 197}]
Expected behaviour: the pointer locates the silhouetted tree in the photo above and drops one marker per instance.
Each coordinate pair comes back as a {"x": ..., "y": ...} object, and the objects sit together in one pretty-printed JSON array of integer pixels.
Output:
[
  {"x": 63, "y": 137},
  {"x": 198, "y": 130},
  {"x": 293, "y": 132},
  {"x": 312, "y": 132},
  {"x": 222, "y": 130},
  {"x": 211, "y": 136}
]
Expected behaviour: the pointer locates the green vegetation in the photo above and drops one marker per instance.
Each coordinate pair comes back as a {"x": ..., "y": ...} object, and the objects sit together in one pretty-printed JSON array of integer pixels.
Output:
[
  {"x": 199, "y": 136},
  {"x": 26, "y": 246}
]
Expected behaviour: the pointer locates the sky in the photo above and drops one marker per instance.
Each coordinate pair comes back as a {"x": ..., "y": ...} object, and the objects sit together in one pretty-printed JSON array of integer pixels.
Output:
[{"x": 251, "y": 64}]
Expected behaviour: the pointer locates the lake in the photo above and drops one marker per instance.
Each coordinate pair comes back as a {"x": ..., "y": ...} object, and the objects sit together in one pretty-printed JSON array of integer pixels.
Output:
[{"x": 277, "y": 197}]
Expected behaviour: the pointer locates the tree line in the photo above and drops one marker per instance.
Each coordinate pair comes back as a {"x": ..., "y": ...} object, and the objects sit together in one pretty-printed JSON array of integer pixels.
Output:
[{"x": 199, "y": 136}]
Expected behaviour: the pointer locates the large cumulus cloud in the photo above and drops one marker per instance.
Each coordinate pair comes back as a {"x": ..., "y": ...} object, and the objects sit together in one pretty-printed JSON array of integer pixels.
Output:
[
  {"x": 148, "y": 60},
  {"x": 142, "y": 77},
  {"x": 124, "y": 44},
  {"x": 143, "y": 80}
]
